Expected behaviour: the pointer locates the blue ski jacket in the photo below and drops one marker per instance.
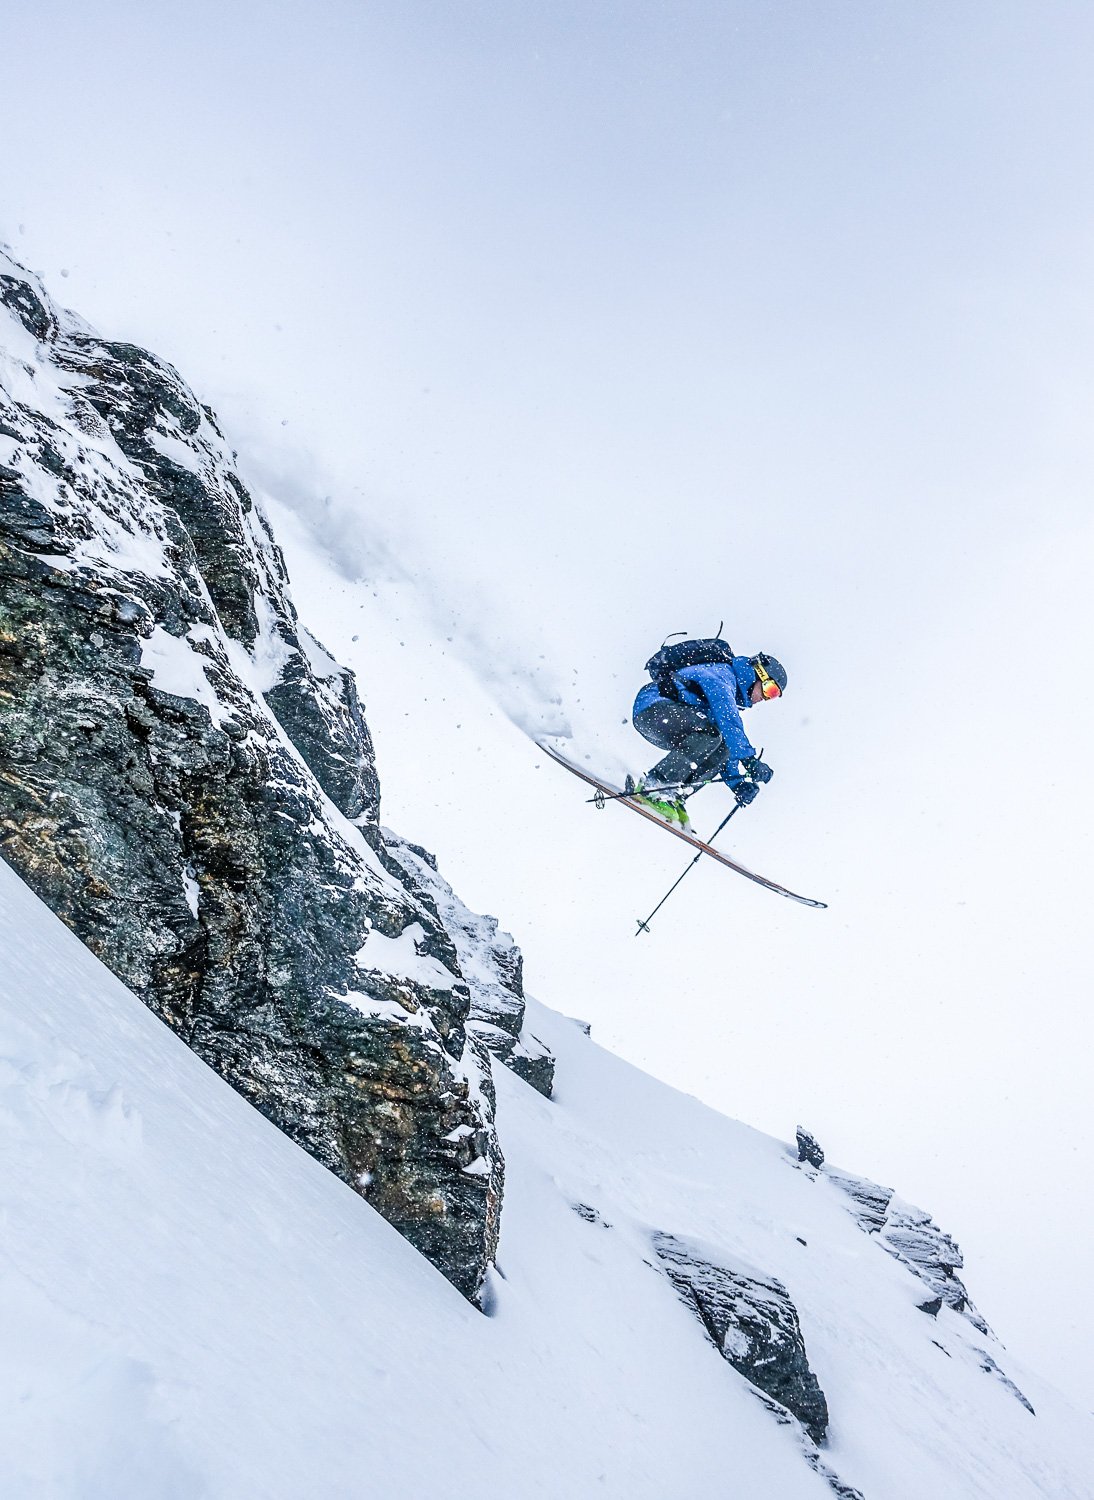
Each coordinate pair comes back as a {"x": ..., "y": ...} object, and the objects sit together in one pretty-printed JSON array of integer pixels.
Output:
[{"x": 721, "y": 690}]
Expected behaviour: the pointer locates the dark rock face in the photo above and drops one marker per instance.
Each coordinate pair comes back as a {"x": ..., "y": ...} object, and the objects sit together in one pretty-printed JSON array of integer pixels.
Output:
[
  {"x": 915, "y": 1239},
  {"x": 754, "y": 1325},
  {"x": 870, "y": 1200},
  {"x": 316, "y": 704},
  {"x": 187, "y": 780},
  {"x": 808, "y": 1149},
  {"x": 912, "y": 1237}
]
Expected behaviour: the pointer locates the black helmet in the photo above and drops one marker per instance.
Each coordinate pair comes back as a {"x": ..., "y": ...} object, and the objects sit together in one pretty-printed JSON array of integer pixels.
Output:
[{"x": 771, "y": 668}]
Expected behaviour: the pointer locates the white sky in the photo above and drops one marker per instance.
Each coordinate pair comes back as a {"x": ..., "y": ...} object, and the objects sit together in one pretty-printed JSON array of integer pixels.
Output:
[{"x": 612, "y": 320}]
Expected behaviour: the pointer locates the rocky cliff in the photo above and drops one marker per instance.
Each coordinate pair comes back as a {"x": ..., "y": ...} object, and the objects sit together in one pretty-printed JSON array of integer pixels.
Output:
[{"x": 187, "y": 778}]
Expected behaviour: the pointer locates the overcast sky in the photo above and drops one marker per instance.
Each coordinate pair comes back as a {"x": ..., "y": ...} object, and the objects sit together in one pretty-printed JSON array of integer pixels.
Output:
[{"x": 606, "y": 320}]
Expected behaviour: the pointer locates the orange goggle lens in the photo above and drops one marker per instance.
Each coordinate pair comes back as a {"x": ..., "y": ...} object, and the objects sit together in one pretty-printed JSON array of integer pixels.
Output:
[{"x": 768, "y": 686}]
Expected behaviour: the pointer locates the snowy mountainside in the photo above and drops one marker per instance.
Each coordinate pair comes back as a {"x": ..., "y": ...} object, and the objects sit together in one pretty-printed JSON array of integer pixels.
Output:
[
  {"x": 675, "y": 1303},
  {"x": 196, "y": 1309}
]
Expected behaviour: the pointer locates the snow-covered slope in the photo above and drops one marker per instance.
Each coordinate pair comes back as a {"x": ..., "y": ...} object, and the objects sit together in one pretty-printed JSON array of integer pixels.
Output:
[{"x": 193, "y": 1307}]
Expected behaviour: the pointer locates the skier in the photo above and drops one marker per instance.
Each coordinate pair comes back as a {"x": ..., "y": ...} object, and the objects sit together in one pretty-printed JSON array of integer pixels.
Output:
[{"x": 692, "y": 709}]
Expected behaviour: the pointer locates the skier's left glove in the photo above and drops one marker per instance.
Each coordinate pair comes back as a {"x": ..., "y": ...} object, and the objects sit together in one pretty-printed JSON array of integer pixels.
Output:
[
  {"x": 757, "y": 769},
  {"x": 746, "y": 792}
]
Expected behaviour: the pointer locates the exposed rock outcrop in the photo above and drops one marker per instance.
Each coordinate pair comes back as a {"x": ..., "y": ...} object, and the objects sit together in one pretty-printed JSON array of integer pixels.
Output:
[
  {"x": 491, "y": 964},
  {"x": 754, "y": 1325},
  {"x": 869, "y": 1199},
  {"x": 187, "y": 779},
  {"x": 809, "y": 1148},
  {"x": 911, "y": 1236},
  {"x": 915, "y": 1239},
  {"x": 752, "y": 1322}
]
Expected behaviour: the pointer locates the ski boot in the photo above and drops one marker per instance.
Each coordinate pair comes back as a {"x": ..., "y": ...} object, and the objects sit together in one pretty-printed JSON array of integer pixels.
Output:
[{"x": 658, "y": 800}]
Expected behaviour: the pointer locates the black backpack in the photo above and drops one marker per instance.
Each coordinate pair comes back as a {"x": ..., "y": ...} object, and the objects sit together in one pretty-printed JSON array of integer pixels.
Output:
[{"x": 670, "y": 659}]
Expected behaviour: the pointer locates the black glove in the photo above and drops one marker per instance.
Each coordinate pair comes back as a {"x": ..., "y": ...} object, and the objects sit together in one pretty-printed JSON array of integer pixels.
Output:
[
  {"x": 759, "y": 770},
  {"x": 746, "y": 792}
]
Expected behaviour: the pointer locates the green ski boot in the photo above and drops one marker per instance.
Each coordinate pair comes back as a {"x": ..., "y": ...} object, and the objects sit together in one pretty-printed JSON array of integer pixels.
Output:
[{"x": 672, "y": 809}]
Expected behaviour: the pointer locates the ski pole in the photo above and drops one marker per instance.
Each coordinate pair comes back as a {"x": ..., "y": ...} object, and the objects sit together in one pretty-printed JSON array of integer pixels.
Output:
[
  {"x": 645, "y": 926},
  {"x": 685, "y": 790}
]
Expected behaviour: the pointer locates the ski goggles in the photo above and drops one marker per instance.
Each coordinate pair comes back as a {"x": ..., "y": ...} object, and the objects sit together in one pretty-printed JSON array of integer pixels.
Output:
[{"x": 768, "y": 686}]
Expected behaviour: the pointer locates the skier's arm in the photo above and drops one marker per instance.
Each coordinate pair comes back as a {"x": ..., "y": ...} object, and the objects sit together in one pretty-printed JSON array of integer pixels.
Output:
[{"x": 717, "y": 686}]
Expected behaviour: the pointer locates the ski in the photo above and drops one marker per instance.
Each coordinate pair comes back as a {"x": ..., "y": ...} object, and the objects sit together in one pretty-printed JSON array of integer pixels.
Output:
[{"x": 613, "y": 794}]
